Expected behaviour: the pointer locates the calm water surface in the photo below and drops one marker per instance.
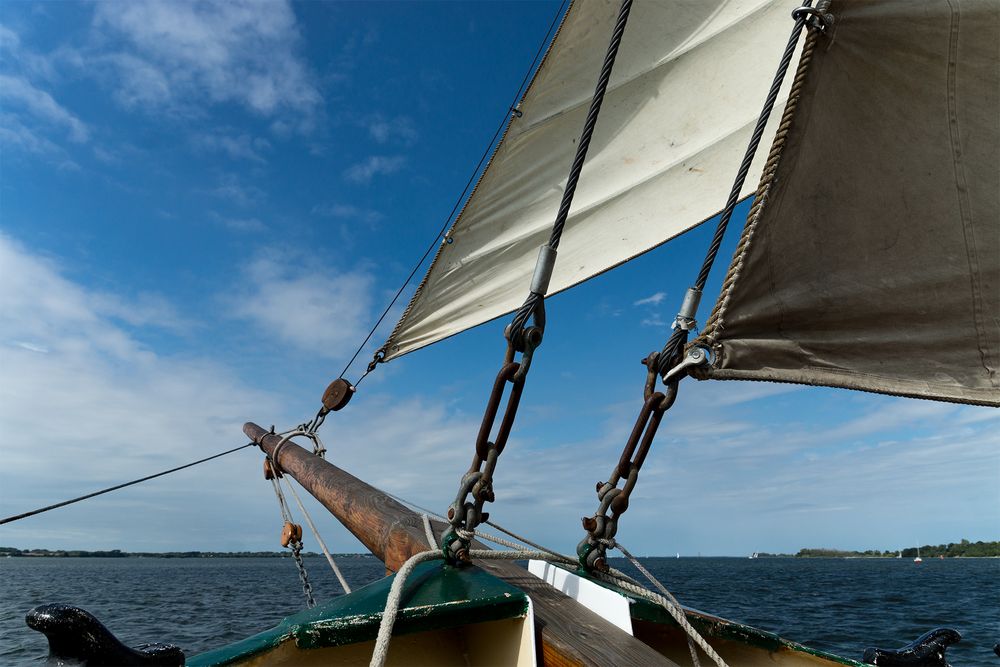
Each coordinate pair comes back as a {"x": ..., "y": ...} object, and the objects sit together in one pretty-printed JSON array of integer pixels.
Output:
[{"x": 836, "y": 605}]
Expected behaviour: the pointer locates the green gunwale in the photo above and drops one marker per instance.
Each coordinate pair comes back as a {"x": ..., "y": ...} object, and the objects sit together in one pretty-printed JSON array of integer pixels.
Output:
[
  {"x": 435, "y": 596},
  {"x": 713, "y": 626}
]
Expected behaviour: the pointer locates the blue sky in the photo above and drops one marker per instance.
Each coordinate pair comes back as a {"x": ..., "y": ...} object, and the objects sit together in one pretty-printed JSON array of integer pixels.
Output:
[{"x": 204, "y": 207}]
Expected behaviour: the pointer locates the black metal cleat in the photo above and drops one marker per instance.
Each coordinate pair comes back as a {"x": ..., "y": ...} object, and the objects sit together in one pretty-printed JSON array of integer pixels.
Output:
[
  {"x": 925, "y": 651},
  {"x": 76, "y": 635}
]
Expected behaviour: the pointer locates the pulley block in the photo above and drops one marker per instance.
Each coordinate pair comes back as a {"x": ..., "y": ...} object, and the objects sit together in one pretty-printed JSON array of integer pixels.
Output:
[
  {"x": 338, "y": 394},
  {"x": 292, "y": 532}
]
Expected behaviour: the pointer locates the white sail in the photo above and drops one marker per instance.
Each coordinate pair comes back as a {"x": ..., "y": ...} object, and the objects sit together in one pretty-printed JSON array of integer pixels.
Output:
[{"x": 687, "y": 88}]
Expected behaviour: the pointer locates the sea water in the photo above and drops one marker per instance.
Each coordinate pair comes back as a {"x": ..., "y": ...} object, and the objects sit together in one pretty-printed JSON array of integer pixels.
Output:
[{"x": 837, "y": 605}]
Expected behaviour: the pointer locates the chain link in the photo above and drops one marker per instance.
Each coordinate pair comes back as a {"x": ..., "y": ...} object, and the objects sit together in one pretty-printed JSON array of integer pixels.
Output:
[
  {"x": 296, "y": 547},
  {"x": 465, "y": 513},
  {"x": 601, "y": 528}
]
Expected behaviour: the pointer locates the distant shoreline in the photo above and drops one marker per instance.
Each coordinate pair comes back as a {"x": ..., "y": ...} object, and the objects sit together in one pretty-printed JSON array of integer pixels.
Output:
[
  {"x": 118, "y": 553},
  {"x": 962, "y": 549}
]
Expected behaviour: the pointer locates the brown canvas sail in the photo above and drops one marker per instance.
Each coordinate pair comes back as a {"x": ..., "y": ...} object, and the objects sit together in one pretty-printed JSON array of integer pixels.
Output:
[{"x": 873, "y": 262}]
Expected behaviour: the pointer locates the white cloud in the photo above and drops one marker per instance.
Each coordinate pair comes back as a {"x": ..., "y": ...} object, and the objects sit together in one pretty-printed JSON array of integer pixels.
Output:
[
  {"x": 182, "y": 54},
  {"x": 85, "y": 404},
  {"x": 398, "y": 128},
  {"x": 245, "y": 225},
  {"x": 653, "y": 300},
  {"x": 375, "y": 165},
  {"x": 312, "y": 307},
  {"x": 15, "y": 133},
  {"x": 347, "y": 212},
  {"x": 42, "y": 106},
  {"x": 232, "y": 189},
  {"x": 236, "y": 146}
]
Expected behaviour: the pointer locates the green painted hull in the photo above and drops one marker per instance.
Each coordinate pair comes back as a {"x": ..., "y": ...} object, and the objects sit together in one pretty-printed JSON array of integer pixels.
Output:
[
  {"x": 440, "y": 601},
  {"x": 435, "y": 597}
]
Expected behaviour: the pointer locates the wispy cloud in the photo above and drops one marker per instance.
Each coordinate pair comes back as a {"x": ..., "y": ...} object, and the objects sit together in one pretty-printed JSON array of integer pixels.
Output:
[
  {"x": 384, "y": 130},
  {"x": 347, "y": 212},
  {"x": 86, "y": 404},
  {"x": 313, "y": 308},
  {"x": 653, "y": 300},
  {"x": 232, "y": 189},
  {"x": 20, "y": 92},
  {"x": 236, "y": 146},
  {"x": 243, "y": 225},
  {"x": 375, "y": 165},
  {"x": 182, "y": 54}
]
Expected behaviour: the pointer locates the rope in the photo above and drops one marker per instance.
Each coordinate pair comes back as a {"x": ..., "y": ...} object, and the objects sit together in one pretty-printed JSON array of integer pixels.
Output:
[
  {"x": 295, "y": 545},
  {"x": 715, "y": 320},
  {"x": 322, "y": 544},
  {"x": 531, "y": 303},
  {"x": 121, "y": 486},
  {"x": 444, "y": 227},
  {"x": 392, "y": 605},
  {"x": 667, "y": 594},
  {"x": 619, "y": 579},
  {"x": 679, "y": 337}
]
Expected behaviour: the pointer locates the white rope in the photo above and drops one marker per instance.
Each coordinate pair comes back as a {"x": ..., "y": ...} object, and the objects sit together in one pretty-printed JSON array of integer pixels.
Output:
[
  {"x": 392, "y": 605},
  {"x": 322, "y": 544},
  {"x": 286, "y": 515},
  {"x": 667, "y": 601},
  {"x": 429, "y": 532},
  {"x": 616, "y": 577}
]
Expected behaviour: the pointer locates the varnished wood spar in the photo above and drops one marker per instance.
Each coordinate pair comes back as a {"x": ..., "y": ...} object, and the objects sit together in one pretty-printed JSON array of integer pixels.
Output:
[{"x": 569, "y": 633}]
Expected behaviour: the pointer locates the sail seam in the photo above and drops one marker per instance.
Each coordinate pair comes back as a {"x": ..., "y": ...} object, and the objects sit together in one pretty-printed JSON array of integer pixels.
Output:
[
  {"x": 716, "y": 321},
  {"x": 962, "y": 192}
]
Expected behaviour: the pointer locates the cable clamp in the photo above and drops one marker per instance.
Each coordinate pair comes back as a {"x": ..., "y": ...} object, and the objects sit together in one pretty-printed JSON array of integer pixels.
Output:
[
  {"x": 816, "y": 19},
  {"x": 689, "y": 308}
]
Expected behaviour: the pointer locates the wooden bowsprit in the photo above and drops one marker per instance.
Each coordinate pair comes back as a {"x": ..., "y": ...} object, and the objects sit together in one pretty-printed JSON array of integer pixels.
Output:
[{"x": 568, "y": 633}]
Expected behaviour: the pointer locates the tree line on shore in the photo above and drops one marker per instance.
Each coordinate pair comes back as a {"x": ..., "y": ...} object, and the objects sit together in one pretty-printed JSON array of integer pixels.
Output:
[
  {"x": 963, "y": 549},
  {"x": 118, "y": 553}
]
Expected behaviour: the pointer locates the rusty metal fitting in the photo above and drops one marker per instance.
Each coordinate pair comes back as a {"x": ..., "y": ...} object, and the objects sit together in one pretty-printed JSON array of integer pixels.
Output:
[
  {"x": 337, "y": 395},
  {"x": 589, "y": 524},
  {"x": 291, "y": 533},
  {"x": 506, "y": 374}
]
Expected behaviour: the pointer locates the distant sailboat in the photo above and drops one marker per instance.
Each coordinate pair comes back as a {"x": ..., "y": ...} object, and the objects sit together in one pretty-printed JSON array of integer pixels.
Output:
[
  {"x": 918, "y": 559},
  {"x": 899, "y": 555},
  {"x": 754, "y": 555}
]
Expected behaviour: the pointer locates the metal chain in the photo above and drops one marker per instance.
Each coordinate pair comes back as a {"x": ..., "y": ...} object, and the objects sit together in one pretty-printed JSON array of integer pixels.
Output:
[
  {"x": 815, "y": 19},
  {"x": 303, "y": 576},
  {"x": 272, "y": 472},
  {"x": 601, "y": 528},
  {"x": 466, "y": 514}
]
